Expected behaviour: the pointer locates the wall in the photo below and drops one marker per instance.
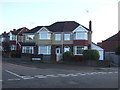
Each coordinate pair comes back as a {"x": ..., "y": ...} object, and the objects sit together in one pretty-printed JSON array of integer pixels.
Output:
[{"x": 113, "y": 57}]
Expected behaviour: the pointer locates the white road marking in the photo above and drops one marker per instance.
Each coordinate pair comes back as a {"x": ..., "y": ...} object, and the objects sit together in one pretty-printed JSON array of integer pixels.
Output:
[
  {"x": 52, "y": 76},
  {"x": 13, "y": 79},
  {"x": 58, "y": 75},
  {"x": 13, "y": 73},
  {"x": 40, "y": 76},
  {"x": 27, "y": 77}
]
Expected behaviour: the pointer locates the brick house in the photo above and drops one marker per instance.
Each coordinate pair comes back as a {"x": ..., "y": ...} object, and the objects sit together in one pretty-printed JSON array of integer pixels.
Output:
[
  {"x": 111, "y": 43},
  {"x": 12, "y": 40},
  {"x": 57, "y": 39}
]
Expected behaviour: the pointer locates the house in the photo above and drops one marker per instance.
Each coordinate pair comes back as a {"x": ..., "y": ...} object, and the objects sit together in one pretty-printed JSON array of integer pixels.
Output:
[
  {"x": 57, "y": 39},
  {"x": 12, "y": 40},
  {"x": 110, "y": 44}
]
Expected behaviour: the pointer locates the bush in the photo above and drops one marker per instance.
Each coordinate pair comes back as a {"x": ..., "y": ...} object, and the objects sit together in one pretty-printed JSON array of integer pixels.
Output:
[
  {"x": 91, "y": 54},
  {"x": 68, "y": 55},
  {"x": 78, "y": 58},
  {"x": 15, "y": 54},
  {"x": 117, "y": 51}
]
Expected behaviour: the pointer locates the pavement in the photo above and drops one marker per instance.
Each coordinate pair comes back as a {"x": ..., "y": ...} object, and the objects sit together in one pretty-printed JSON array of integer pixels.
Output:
[{"x": 21, "y": 74}]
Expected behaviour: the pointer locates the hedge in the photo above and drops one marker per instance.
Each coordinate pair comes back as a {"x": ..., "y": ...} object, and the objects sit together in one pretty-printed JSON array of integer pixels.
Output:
[
  {"x": 91, "y": 54},
  {"x": 68, "y": 55},
  {"x": 117, "y": 51}
]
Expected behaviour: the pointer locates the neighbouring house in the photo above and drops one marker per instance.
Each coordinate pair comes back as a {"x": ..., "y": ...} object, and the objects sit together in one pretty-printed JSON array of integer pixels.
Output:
[
  {"x": 110, "y": 44},
  {"x": 58, "y": 38},
  {"x": 12, "y": 40}
]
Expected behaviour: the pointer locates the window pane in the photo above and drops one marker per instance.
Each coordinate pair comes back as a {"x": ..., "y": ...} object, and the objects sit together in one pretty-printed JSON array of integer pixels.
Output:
[
  {"x": 66, "y": 36},
  {"x": 43, "y": 49},
  {"x": 30, "y": 37},
  {"x": 57, "y": 36},
  {"x": 81, "y": 35}
]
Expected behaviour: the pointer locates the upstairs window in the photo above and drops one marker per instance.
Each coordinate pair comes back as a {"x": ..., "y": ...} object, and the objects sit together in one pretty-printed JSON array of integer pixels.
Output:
[
  {"x": 44, "y": 35},
  {"x": 81, "y": 36},
  {"x": 13, "y": 37},
  {"x": 58, "y": 37},
  {"x": 66, "y": 37},
  {"x": 30, "y": 37}
]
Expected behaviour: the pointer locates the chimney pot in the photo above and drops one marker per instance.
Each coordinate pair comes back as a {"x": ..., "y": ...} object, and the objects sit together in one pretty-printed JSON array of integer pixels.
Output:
[{"x": 90, "y": 25}]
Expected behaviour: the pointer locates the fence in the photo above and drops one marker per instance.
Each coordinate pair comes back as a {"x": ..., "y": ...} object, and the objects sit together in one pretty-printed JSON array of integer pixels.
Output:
[{"x": 113, "y": 57}]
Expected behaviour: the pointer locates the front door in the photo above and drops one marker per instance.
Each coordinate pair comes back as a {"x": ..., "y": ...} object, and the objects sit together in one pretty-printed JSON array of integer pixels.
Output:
[{"x": 57, "y": 51}]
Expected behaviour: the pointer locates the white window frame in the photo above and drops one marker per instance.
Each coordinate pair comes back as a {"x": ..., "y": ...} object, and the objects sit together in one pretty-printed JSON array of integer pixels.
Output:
[
  {"x": 32, "y": 36},
  {"x": 81, "y": 36},
  {"x": 13, "y": 37},
  {"x": 13, "y": 47},
  {"x": 66, "y": 37},
  {"x": 75, "y": 49},
  {"x": 44, "y": 33},
  {"x": 30, "y": 50},
  {"x": 48, "y": 50},
  {"x": 57, "y": 37}
]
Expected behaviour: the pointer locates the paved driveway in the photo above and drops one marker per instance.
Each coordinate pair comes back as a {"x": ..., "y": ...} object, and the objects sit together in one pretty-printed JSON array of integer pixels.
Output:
[{"x": 58, "y": 76}]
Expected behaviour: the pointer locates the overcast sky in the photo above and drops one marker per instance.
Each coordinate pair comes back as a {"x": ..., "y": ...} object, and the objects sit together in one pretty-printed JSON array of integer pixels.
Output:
[{"x": 32, "y": 13}]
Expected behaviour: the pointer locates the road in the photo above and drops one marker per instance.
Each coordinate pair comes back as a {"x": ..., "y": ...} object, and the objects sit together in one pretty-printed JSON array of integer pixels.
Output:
[{"x": 66, "y": 76}]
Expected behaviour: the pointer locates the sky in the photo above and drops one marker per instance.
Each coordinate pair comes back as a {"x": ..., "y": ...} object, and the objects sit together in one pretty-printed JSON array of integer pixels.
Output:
[{"x": 15, "y": 14}]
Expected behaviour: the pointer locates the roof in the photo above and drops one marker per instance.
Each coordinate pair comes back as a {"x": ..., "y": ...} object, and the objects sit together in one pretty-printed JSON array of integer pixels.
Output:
[
  {"x": 28, "y": 44},
  {"x": 114, "y": 37},
  {"x": 64, "y": 26},
  {"x": 34, "y": 29},
  {"x": 18, "y": 30}
]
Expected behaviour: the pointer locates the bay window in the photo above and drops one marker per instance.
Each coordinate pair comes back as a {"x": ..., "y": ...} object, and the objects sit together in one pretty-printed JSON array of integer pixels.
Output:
[
  {"x": 78, "y": 50},
  {"x": 44, "y": 50},
  {"x": 44, "y": 35},
  {"x": 81, "y": 36},
  {"x": 28, "y": 49}
]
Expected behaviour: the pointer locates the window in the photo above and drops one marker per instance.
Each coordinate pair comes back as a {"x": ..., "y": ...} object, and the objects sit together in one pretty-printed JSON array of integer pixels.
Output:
[
  {"x": 44, "y": 49},
  {"x": 28, "y": 49},
  {"x": 30, "y": 37},
  {"x": 57, "y": 36},
  {"x": 13, "y": 47},
  {"x": 81, "y": 35},
  {"x": 78, "y": 50},
  {"x": 44, "y": 35},
  {"x": 66, "y": 37},
  {"x": 66, "y": 48},
  {"x": 13, "y": 37}
]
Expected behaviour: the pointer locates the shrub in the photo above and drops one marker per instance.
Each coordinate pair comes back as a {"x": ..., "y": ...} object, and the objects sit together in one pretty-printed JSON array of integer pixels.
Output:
[
  {"x": 15, "y": 54},
  {"x": 67, "y": 55},
  {"x": 91, "y": 54},
  {"x": 117, "y": 51},
  {"x": 78, "y": 58}
]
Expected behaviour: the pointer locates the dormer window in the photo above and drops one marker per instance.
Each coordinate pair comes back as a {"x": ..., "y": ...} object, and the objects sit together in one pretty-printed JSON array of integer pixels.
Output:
[{"x": 13, "y": 37}]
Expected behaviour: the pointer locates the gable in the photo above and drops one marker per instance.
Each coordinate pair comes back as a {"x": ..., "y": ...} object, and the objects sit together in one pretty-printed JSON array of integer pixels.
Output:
[
  {"x": 43, "y": 29},
  {"x": 80, "y": 29}
]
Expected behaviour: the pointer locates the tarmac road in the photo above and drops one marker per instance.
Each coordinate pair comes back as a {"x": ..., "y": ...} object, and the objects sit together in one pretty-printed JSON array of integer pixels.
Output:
[{"x": 57, "y": 76}]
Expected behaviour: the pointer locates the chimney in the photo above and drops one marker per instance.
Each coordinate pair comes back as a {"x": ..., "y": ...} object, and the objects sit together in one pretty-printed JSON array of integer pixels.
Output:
[
  {"x": 90, "y": 25},
  {"x": 14, "y": 29}
]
